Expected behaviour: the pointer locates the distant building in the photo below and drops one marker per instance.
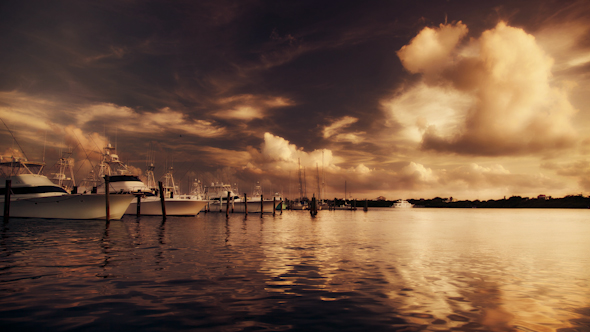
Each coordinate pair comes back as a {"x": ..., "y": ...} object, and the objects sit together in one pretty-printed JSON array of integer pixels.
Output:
[
  {"x": 543, "y": 197},
  {"x": 381, "y": 198}
]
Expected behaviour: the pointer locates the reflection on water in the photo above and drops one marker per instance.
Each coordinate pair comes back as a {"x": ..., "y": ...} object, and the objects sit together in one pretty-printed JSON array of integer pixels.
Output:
[{"x": 481, "y": 270}]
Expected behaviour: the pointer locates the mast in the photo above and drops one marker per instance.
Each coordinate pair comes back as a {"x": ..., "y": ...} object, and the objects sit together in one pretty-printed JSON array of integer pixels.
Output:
[
  {"x": 344, "y": 191},
  {"x": 300, "y": 182},
  {"x": 319, "y": 187},
  {"x": 304, "y": 182}
]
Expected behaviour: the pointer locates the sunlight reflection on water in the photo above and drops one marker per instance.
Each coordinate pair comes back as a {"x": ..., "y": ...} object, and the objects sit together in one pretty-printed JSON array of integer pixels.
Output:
[{"x": 386, "y": 269}]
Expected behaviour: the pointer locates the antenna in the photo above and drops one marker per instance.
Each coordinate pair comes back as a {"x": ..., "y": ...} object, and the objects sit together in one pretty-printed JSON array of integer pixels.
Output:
[
  {"x": 11, "y": 134},
  {"x": 44, "y": 143}
]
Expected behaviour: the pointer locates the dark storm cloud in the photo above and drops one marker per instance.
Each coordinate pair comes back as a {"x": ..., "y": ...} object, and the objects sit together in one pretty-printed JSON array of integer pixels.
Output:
[{"x": 254, "y": 85}]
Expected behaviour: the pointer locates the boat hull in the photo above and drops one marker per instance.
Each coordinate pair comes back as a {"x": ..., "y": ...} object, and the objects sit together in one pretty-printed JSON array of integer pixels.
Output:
[
  {"x": 239, "y": 207},
  {"x": 76, "y": 206},
  {"x": 152, "y": 206}
]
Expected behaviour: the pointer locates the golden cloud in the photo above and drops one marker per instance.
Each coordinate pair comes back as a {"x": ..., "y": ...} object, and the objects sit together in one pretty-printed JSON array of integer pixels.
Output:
[{"x": 493, "y": 96}]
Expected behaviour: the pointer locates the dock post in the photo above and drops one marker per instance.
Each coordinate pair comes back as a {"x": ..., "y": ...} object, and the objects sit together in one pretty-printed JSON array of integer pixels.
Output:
[
  {"x": 245, "y": 204},
  {"x": 274, "y": 206},
  {"x": 138, "y": 212},
  {"x": 261, "y": 205},
  {"x": 366, "y": 206},
  {"x": 162, "y": 199},
  {"x": 282, "y": 202},
  {"x": 107, "y": 188},
  {"x": 227, "y": 205},
  {"x": 233, "y": 202},
  {"x": 8, "y": 189}
]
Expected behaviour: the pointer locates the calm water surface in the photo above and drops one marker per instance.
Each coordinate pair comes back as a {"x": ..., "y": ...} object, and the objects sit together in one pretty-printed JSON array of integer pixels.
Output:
[{"x": 383, "y": 270}]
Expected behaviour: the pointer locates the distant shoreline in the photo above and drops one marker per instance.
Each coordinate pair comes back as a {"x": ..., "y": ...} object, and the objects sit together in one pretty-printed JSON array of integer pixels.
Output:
[{"x": 514, "y": 202}]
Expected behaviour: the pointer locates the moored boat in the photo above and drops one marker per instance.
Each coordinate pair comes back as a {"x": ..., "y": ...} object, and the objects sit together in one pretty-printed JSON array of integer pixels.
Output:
[
  {"x": 402, "y": 204},
  {"x": 176, "y": 204},
  {"x": 33, "y": 195}
]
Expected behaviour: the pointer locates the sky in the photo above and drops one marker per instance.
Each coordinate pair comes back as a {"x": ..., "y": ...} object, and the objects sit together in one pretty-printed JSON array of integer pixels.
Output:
[{"x": 401, "y": 99}]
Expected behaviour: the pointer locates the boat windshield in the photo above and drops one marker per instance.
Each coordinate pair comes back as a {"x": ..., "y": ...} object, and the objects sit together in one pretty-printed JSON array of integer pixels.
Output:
[{"x": 11, "y": 166}]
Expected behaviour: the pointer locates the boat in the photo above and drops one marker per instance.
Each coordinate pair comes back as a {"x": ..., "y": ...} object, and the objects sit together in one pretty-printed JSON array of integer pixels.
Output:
[
  {"x": 402, "y": 204},
  {"x": 121, "y": 180},
  {"x": 255, "y": 203},
  {"x": 34, "y": 195},
  {"x": 65, "y": 164},
  {"x": 298, "y": 204},
  {"x": 176, "y": 204}
]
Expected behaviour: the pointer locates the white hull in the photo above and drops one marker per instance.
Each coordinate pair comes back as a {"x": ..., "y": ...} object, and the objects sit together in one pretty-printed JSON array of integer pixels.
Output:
[
  {"x": 403, "y": 204},
  {"x": 151, "y": 206},
  {"x": 77, "y": 206}
]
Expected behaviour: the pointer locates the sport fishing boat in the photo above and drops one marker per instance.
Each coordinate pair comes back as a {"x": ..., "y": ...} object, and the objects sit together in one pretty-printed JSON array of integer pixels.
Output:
[
  {"x": 176, "y": 204},
  {"x": 33, "y": 195},
  {"x": 121, "y": 180}
]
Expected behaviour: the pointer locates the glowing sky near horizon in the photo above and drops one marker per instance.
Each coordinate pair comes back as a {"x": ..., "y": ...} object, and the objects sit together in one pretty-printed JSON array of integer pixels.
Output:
[{"x": 399, "y": 99}]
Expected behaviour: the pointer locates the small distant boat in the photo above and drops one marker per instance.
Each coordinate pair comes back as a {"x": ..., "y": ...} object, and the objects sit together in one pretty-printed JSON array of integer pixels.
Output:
[
  {"x": 402, "y": 204},
  {"x": 34, "y": 196}
]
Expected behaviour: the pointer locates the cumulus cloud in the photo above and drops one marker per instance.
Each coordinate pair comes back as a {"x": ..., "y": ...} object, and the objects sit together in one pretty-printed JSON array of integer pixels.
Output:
[
  {"x": 432, "y": 49},
  {"x": 491, "y": 96},
  {"x": 285, "y": 155}
]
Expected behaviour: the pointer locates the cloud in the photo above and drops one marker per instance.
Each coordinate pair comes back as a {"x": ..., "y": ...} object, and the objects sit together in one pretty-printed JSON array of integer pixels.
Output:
[
  {"x": 336, "y": 131},
  {"x": 249, "y": 107},
  {"x": 432, "y": 49},
  {"x": 43, "y": 114},
  {"x": 579, "y": 170},
  {"x": 282, "y": 154},
  {"x": 493, "y": 96}
]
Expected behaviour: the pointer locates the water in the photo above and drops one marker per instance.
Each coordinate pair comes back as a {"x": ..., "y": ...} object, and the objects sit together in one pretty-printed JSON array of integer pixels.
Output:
[{"x": 387, "y": 269}]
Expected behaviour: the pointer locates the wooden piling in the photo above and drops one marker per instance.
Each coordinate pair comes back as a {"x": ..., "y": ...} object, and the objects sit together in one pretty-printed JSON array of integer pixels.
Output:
[
  {"x": 7, "y": 193},
  {"x": 227, "y": 205},
  {"x": 282, "y": 202},
  {"x": 261, "y": 205},
  {"x": 274, "y": 206},
  {"x": 106, "y": 196},
  {"x": 366, "y": 208},
  {"x": 138, "y": 212},
  {"x": 245, "y": 204},
  {"x": 162, "y": 199}
]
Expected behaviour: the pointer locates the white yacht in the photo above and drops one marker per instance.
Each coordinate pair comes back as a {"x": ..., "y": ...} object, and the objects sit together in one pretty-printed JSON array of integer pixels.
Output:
[
  {"x": 402, "y": 204},
  {"x": 34, "y": 196},
  {"x": 176, "y": 204}
]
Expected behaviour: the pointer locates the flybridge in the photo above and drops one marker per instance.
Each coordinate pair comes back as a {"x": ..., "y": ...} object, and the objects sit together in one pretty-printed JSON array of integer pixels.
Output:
[{"x": 11, "y": 166}]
